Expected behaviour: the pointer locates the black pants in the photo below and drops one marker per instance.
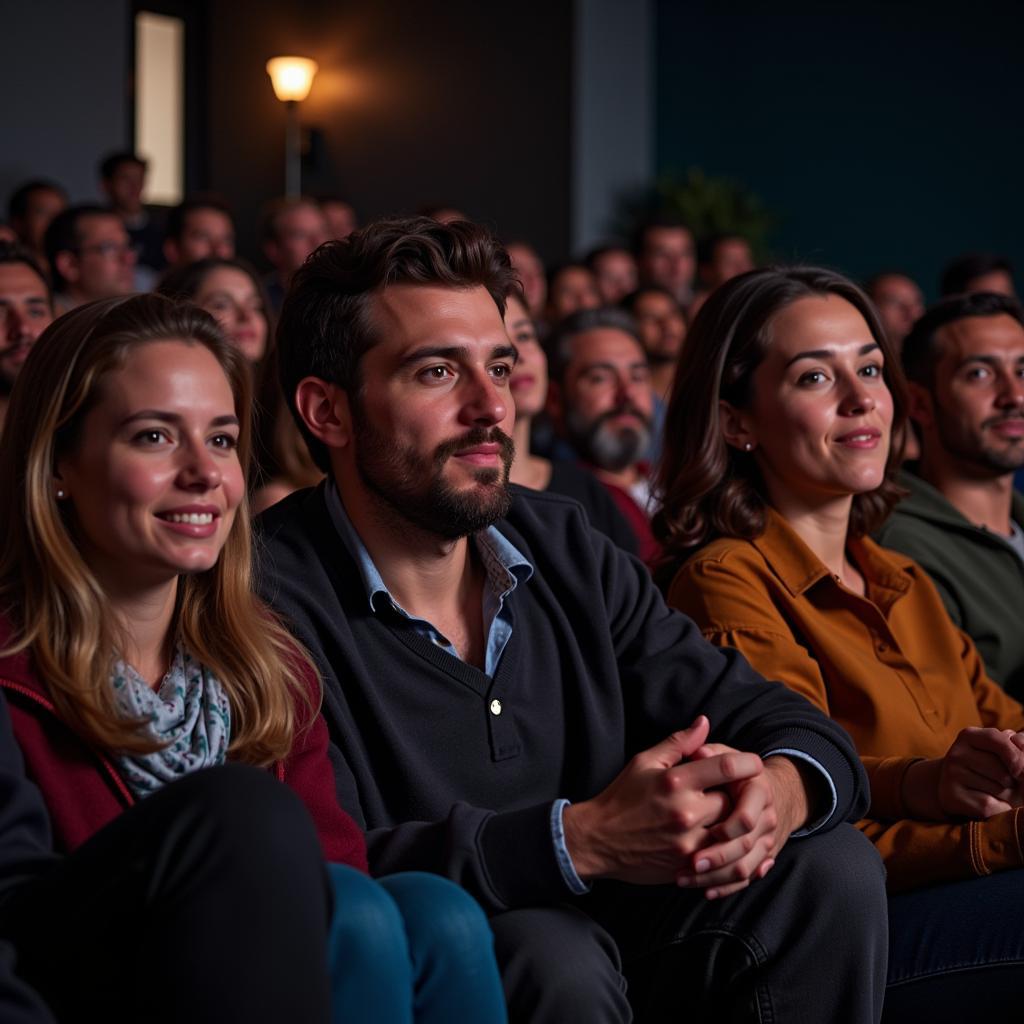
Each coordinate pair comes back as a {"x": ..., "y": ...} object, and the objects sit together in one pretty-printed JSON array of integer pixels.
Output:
[
  {"x": 206, "y": 902},
  {"x": 807, "y": 944}
]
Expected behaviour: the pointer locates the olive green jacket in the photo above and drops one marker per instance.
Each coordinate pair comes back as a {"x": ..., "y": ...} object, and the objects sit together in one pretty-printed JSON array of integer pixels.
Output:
[{"x": 979, "y": 576}]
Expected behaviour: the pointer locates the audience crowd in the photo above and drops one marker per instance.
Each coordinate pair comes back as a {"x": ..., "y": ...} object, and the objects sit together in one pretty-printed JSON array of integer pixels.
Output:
[{"x": 412, "y": 631}]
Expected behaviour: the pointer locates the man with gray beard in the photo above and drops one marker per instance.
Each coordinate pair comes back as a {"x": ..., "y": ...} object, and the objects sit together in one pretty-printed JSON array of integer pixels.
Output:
[
  {"x": 600, "y": 400},
  {"x": 963, "y": 520}
]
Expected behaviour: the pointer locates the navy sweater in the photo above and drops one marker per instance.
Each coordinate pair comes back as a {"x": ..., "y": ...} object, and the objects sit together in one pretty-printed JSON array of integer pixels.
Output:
[{"x": 597, "y": 669}]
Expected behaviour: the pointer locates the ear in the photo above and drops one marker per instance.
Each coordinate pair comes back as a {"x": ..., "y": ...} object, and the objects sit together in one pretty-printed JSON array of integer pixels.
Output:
[
  {"x": 272, "y": 251},
  {"x": 920, "y": 404},
  {"x": 325, "y": 410},
  {"x": 66, "y": 263},
  {"x": 171, "y": 251},
  {"x": 736, "y": 428}
]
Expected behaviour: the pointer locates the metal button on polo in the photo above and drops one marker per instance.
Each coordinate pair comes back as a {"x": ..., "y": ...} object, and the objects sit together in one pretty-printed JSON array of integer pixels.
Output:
[{"x": 495, "y": 707}]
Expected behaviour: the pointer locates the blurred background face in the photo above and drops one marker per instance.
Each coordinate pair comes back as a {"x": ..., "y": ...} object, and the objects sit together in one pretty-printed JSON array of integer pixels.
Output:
[
  {"x": 899, "y": 303},
  {"x": 616, "y": 275},
  {"x": 731, "y": 258},
  {"x": 572, "y": 289},
  {"x": 669, "y": 259},
  {"x": 43, "y": 205},
  {"x": 340, "y": 218},
  {"x": 662, "y": 325},
  {"x": 232, "y": 298},
  {"x": 206, "y": 233},
  {"x": 528, "y": 267},
  {"x": 125, "y": 187},
  {"x": 821, "y": 413},
  {"x": 300, "y": 230},
  {"x": 24, "y": 314},
  {"x": 529, "y": 380},
  {"x": 103, "y": 264},
  {"x": 998, "y": 281}
]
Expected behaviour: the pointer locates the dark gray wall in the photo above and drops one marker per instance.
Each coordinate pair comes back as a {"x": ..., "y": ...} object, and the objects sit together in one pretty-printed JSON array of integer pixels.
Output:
[
  {"x": 414, "y": 103},
  {"x": 64, "y": 78},
  {"x": 885, "y": 134}
]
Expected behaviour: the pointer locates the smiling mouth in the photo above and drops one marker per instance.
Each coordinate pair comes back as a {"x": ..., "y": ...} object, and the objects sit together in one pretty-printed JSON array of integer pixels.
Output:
[{"x": 192, "y": 518}]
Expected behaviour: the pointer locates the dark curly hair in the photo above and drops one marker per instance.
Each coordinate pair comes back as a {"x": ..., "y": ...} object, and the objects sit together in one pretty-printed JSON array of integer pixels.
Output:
[{"x": 708, "y": 489}]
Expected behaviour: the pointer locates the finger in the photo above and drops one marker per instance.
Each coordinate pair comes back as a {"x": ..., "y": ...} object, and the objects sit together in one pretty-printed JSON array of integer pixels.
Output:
[
  {"x": 969, "y": 780},
  {"x": 702, "y": 753},
  {"x": 981, "y": 763},
  {"x": 735, "y": 871},
  {"x": 717, "y": 856},
  {"x": 701, "y": 810},
  {"x": 721, "y": 891},
  {"x": 997, "y": 743},
  {"x": 674, "y": 748},
  {"x": 719, "y": 770},
  {"x": 747, "y": 812}
]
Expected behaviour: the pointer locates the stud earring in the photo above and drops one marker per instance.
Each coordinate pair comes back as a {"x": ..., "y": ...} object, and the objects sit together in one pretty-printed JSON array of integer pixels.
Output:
[
  {"x": 60, "y": 492},
  {"x": 748, "y": 446}
]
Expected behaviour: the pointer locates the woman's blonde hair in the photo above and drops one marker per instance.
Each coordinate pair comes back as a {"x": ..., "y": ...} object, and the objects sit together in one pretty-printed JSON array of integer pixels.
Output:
[{"x": 56, "y": 605}]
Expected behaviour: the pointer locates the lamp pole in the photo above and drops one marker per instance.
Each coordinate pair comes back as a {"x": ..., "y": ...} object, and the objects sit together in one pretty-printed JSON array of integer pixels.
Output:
[{"x": 292, "y": 151}]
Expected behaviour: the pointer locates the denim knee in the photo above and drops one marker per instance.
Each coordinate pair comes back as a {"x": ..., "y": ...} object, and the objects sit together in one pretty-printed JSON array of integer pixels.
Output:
[{"x": 366, "y": 922}]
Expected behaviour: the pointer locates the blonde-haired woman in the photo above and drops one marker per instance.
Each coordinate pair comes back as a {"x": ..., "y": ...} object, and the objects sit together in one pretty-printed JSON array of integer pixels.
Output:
[{"x": 133, "y": 652}]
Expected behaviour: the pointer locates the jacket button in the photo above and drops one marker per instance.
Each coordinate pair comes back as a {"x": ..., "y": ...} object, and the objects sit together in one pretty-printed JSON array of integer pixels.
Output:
[{"x": 495, "y": 707}]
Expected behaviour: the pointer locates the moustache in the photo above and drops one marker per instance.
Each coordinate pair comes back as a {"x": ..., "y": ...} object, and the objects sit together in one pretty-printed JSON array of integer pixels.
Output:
[
  {"x": 624, "y": 408},
  {"x": 1013, "y": 417},
  {"x": 477, "y": 436}
]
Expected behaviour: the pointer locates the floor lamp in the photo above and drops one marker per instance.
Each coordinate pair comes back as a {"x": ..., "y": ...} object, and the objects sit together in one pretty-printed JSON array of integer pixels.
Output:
[{"x": 292, "y": 78}]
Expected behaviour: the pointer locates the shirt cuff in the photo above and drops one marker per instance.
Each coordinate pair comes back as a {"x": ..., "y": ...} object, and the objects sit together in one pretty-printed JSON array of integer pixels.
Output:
[
  {"x": 576, "y": 884},
  {"x": 811, "y": 827}
]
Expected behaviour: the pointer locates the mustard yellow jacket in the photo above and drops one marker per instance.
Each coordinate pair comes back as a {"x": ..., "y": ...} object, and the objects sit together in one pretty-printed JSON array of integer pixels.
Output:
[{"x": 890, "y": 667}]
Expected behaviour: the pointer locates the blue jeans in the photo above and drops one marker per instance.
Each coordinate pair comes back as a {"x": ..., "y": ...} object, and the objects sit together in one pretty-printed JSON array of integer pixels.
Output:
[
  {"x": 410, "y": 947},
  {"x": 956, "y": 951}
]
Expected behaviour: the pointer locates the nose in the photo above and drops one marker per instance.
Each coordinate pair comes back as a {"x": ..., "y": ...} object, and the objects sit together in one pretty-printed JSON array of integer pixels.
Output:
[
  {"x": 857, "y": 400},
  {"x": 1011, "y": 393},
  {"x": 485, "y": 402},
  {"x": 15, "y": 324},
  {"x": 199, "y": 470}
]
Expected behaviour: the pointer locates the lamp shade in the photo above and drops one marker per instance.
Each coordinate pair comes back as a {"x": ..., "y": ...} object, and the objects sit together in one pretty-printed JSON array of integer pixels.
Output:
[{"x": 292, "y": 76}]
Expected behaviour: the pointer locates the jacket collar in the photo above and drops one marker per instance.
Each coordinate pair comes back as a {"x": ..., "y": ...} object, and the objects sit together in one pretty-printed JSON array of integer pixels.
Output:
[
  {"x": 799, "y": 568},
  {"x": 927, "y": 502},
  {"x": 17, "y": 668}
]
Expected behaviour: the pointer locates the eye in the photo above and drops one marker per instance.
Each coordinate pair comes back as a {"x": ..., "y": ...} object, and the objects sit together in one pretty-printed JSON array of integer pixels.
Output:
[
  {"x": 501, "y": 371},
  {"x": 435, "y": 374},
  {"x": 226, "y": 442},
  {"x": 812, "y": 378},
  {"x": 977, "y": 373},
  {"x": 151, "y": 438},
  {"x": 871, "y": 370}
]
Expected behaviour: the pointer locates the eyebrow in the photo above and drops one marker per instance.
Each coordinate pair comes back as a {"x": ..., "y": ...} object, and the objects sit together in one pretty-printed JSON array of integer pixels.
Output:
[
  {"x": 170, "y": 417},
  {"x": 456, "y": 353},
  {"x": 640, "y": 363},
  {"x": 988, "y": 360},
  {"x": 824, "y": 353}
]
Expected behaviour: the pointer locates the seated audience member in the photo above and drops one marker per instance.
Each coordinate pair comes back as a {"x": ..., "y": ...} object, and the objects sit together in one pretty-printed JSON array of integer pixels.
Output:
[
  {"x": 899, "y": 303},
  {"x": 30, "y": 209},
  {"x": 122, "y": 181},
  {"x": 231, "y": 292},
  {"x": 219, "y": 874},
  {"x": 978, "y": 272},
  {"x": 487, "y": 656},
  {"x": 26, "y": 309},
  {"x": 528, "y": 385},
  {"x": 530, "y": 270},
  {"x": 777, "y": 465},
  {"x": 200, "y": 228},
  {"x": 614, "y": 270},
  {"x": 600, "y": 400},
  {"x": 661, "y": 324},
  {"x": 963, "y": 522},
  {"x": 292, "y": 229},
  {"x": 340, "y": 216},
  {"x": 667, "y": 256},
  {"x": 571, "y": 287},
  {"x": 90, "y": 256},
  {"x": 720, "y": 258},
  {"x": 134, "y": 652}
]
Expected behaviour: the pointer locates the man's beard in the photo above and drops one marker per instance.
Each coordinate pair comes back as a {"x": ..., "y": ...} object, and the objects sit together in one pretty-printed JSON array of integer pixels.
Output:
[
  {"x": 608, "y": 448},
  {"x": 974, "y": 451},
  {"x": 412, "y": 487}
]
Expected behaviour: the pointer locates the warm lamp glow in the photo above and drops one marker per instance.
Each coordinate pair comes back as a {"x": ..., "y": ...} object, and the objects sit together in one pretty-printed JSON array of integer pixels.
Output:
[{"x": 292, "y": 77}]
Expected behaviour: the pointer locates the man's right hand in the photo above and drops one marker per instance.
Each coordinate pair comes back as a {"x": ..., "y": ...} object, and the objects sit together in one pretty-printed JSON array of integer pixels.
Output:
[{"x": 645, "y": 827}]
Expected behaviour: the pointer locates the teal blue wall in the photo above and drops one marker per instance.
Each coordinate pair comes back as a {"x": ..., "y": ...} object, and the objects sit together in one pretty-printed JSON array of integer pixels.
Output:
[{"x": 885, "y": 135}]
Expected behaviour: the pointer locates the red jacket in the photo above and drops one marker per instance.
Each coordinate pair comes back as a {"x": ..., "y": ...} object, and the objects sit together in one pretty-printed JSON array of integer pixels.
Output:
[{"x": 84, "y": 790}]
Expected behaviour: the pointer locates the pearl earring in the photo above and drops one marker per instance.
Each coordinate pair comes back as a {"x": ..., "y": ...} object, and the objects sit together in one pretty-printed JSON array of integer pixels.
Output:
[
  {"x": 60, "y": 492},
  {"x": 748, "y": 446}
]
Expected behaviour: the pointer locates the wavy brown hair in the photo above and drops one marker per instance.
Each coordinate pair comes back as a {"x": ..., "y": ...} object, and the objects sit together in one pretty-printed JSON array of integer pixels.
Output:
[
  {"x": 55, "y": 604},
  {"x": 708, "y": 489}
]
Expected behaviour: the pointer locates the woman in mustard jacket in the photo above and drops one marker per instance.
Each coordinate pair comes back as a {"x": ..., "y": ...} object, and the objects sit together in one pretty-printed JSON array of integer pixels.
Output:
[{"x": 780, "y": 454}]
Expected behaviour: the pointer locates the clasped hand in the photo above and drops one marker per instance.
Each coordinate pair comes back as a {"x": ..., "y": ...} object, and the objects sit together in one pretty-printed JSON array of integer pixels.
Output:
[
  {"x": 982, "y": 773},
  {"x": 686, "y": 812}
]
